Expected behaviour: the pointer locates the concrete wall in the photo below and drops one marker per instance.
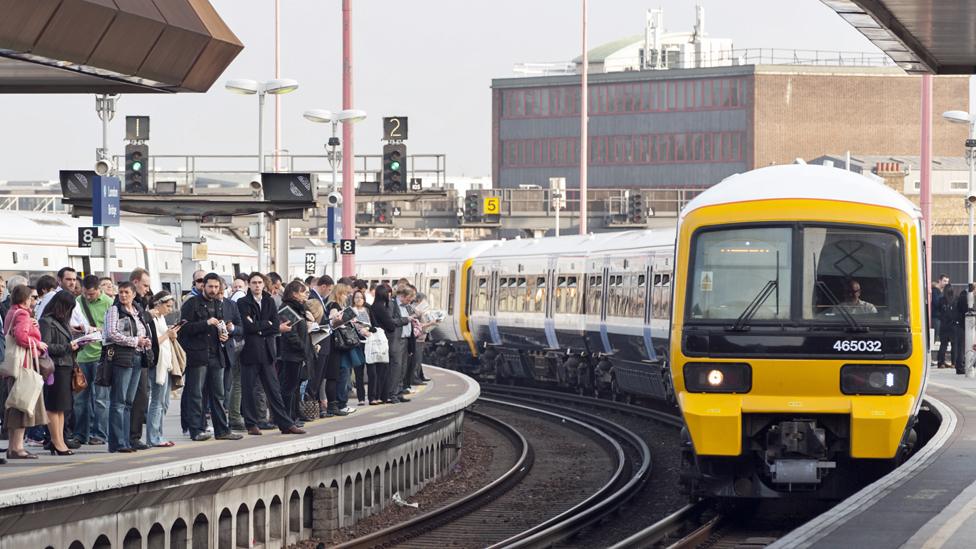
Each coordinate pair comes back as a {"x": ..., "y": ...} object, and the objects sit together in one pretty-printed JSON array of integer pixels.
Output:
[{"x": 261, "y": 505}]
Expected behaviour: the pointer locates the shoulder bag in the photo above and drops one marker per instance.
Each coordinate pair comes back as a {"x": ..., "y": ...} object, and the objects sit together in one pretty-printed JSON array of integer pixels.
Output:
[
  {"x": 13, "y": 358},
  {"x": 27, "y": 388},
  {"x": 345, "y": 337}
]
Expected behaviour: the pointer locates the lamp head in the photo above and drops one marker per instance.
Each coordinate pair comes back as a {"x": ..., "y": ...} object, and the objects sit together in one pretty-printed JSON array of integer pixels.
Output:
[
  {"x": 334, "y": 199},
  {"x": 957, "y": 117},
  {"x": 321, "y": 116},
  {"x": 280, "y": 86},
  {"x": 242, "y": 86},
  {"x": 104, "y": 167},
  {"x": 351, "y": 116}
]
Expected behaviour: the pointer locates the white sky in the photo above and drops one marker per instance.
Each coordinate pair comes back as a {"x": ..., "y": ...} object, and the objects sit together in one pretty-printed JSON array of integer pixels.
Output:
[{"x": 432, "y": 60}]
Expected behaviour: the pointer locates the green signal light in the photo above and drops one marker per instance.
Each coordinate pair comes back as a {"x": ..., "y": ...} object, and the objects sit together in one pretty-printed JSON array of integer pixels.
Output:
[
  {"x": 137, "y": 166},
  {"x": 395, "y": 166}
]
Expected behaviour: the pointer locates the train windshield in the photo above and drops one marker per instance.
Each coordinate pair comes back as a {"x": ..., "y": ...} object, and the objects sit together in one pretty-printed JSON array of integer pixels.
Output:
[
  {"x": 850, "y": 275},
  {"x": 740, "y": 272},
  {"x": 853, "y": 273}
]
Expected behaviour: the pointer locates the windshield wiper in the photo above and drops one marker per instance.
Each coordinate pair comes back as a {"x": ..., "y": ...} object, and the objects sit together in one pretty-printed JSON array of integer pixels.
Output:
[
  {"x": 750, "y": 311},
  {"x": 852, "y": 323}
]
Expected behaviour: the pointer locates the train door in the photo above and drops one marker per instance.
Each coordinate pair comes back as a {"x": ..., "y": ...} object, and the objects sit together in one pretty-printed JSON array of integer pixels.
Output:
[
  {"x": 549, "y": 322},
  {"x": 604, "y": 338},
  {"x": 493, "y": 306},
  {"x": 648, "y": 289}
]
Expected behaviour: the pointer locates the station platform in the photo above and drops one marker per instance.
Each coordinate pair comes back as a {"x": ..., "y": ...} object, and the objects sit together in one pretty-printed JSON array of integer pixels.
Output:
[
  {"x": 338, "y": 451},
  {"x": 929, "y": 502}
]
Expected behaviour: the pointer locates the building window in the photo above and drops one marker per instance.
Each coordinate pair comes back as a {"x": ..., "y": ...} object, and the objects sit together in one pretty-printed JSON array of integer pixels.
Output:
[{"x": 953, "y": 185}]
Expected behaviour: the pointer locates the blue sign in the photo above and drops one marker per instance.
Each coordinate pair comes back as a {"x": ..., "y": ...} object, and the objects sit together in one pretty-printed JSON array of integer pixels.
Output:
[
  {"x": 106, "y": 197},
  {"x": 334, "y": 225}
]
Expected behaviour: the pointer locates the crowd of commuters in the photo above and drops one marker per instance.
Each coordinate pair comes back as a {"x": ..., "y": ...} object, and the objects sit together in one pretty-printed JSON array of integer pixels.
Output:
[{"x": 252, "y": 354}]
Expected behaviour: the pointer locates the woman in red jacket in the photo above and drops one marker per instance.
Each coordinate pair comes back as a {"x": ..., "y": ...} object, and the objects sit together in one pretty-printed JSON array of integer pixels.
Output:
[{"x": 21, "y": 324}]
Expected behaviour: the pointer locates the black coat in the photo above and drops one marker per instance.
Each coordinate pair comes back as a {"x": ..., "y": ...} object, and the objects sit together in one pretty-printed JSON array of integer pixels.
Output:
[
  {"x": 962, "y": 307},
  {"x": 199, "y": 339},
  {"x": 296, "y": 345},
  {"x": 387, "y": 318},
  {"x": 260, "y": 321},
  {"x": 234, "y": 345},
  {"x": 58, "y": 341}
]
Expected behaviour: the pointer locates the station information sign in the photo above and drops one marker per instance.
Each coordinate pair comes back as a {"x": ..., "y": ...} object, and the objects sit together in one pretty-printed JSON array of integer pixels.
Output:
[
  {"x": 310, "y": 260},
  {"x": 87, "y": 235},
  {"x": 347, "y": 246},
  {"x": 493, "y": 205},
  {"x": 106, "y": 201}
]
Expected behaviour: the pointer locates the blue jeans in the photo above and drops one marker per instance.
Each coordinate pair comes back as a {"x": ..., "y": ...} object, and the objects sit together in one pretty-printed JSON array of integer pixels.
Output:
[
  {"x": 158, "y": 406},
  {"x": 125, "y": 383},
  {"x": 91, "y": 407},
  {"x": 342, "y": 388}
]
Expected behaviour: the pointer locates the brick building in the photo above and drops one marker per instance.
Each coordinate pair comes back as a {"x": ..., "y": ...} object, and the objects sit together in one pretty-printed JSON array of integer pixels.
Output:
[{"x": 693, "y": 127}]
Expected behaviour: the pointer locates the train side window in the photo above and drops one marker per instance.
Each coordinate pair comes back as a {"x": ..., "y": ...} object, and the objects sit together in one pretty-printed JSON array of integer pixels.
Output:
[
  {"x": 481, "y": 299},
  {"x": 521, "y": 295},
  {"x": 666, "y": 296},
  {"x": 594, "y": 295},
  {"x": 434, "y": 297},
  {"x": 539, "y": 299},
  {"x": 451, "y": 289},
  {"x": 569, "y": 301},
  {"x": 640, "y": 297}
]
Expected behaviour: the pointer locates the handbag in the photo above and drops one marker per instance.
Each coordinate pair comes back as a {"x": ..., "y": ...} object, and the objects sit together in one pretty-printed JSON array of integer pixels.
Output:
[
  {"x": 103, "y": 372},
  {"x": 78, "y": 380},
  {"x": 45, "y": 366},
  {"x": 345, "y": 337},
  {"x": 26, "y": 389},
  {"x": 13, "y": 359},
  {"x": 309, "y": 408},
  {"x": 377, "y": 348}
]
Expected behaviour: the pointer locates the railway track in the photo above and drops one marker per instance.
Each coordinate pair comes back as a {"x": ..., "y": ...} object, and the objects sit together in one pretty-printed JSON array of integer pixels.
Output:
[{"x": 493, "y": 516}]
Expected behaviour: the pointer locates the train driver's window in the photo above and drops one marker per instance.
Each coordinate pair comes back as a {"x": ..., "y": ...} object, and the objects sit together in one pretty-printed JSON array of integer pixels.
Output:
[
  {"x": 594, "y": 295},
  {"x": 858, "y": 270},
  {"x": 539, "y": 297}
]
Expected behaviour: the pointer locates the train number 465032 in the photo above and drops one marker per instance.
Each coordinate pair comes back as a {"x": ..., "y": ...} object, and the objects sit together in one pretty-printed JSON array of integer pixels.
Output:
[{"x": 857, "y": 346}]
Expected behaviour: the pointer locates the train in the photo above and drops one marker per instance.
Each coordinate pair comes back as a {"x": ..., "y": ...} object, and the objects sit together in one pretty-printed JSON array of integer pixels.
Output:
[
  {"x": 34, "y": 243},
  {"x": 744, "y": 316}
]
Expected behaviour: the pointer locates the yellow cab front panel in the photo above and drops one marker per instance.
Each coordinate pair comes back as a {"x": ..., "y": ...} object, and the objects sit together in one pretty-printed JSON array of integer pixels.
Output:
[{"x": 793, "y": 370}]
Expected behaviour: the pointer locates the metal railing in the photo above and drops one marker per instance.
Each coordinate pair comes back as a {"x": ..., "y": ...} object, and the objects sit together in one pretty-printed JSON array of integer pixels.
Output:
[{"x": 33, "y": 203}]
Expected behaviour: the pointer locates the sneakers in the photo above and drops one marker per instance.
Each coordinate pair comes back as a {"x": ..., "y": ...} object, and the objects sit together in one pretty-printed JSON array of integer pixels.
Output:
[
  {"x": 230, "y": 435},
  {"x": 200, "y": 437},
  {"x": 341, "y": 412},
  {"x": 348, "y": 410}
]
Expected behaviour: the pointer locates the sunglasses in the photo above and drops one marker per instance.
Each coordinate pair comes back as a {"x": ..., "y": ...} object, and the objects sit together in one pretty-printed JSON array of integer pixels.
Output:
[{"x": 198, "y": 281}]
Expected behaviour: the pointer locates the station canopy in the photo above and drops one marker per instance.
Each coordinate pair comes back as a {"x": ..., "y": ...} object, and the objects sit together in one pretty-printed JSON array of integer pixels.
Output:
[
  {"x": 922, "y": 36},
  {"x": 112, "y": 46}
]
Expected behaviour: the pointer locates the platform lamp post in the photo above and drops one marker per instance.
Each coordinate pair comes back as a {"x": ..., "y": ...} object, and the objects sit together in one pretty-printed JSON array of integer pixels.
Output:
[
  {"x": 348, "y": 116},
  {"x": 243, "y": 86},
  {"x": 963, "y": 117}
]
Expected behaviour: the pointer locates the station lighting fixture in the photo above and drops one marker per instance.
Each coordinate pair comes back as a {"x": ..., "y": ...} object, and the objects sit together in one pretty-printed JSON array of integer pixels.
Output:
[{"x": 472, "y": 207}]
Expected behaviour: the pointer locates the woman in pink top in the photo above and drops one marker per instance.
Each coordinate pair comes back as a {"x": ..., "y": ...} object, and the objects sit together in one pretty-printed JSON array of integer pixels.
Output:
[{"x": 21, "y": 324}]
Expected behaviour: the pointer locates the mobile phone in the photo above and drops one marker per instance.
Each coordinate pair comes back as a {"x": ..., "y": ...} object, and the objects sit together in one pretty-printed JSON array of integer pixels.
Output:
[{"x": 182, "y": 322}]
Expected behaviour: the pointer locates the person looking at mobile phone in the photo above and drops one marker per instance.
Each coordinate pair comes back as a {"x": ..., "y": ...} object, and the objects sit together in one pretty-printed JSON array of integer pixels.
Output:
[
  {"x": 162, "y": 304},
  {"x": 91, "y": 405}
]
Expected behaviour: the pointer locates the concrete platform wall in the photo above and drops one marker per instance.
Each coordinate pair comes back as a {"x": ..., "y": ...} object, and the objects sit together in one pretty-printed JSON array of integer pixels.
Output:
[{"x": 262, "y": 505}]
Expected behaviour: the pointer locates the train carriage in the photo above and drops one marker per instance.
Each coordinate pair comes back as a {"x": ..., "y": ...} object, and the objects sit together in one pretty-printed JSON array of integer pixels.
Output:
[{"x": 797, "y": 343}]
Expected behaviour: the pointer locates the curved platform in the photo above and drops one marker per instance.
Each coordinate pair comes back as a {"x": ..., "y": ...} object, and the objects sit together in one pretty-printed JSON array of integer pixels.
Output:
[
  {"x": 929, "y": 502},
  {"x": 272, "y": 489}
]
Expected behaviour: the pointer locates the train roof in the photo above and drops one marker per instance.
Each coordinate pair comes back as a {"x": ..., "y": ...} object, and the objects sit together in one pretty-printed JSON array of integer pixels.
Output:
[
  {"x": 585, "y": 245},
  {"x": 802, "y": 181},
  {"x": 406, "y": 253}
]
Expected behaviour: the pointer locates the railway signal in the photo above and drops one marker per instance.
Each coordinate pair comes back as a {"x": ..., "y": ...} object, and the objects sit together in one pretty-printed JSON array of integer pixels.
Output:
[
  {"x": 635, "y": 207},
  {"x": 394, "y": 168},
  {"x": 137, "y": 169},
  {"x": 472, "y": 207},
  {"x": 382, "y": 214}
]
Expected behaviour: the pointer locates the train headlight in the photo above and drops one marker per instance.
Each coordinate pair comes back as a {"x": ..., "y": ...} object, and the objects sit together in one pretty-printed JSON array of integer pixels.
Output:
[
  {"x": 874, "y": 379},
  {"x": 718, "y": 377}
]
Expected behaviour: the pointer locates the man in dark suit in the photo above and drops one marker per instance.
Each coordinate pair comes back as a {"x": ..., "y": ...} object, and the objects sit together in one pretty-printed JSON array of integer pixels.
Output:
[
  {"x": 261, "y": 325},
  {"x": 202, "y": 337},
  {"x": 399, "y": 339}
]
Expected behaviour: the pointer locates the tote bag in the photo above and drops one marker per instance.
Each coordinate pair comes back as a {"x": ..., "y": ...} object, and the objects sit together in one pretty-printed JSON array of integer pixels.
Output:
[
  {"x": 377, "y": 348},
  {"x": 27, "y": 388},
  {"x": 13, "y": 359}
]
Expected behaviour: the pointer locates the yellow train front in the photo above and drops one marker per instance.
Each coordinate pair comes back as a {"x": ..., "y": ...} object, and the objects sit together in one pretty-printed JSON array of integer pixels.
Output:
[{"x": 797, "y": 348}]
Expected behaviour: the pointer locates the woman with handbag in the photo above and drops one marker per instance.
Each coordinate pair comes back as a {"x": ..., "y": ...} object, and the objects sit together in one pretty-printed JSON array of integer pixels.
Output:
[
  {"x": 21, "y": 324},
  {"x": 159, "y": 375},
  {"x": 296, "y": 348},
  {"x": 366, "y": 329},
  {"x": 58, "y": 397},
  {"x": 345, "y": 340},
  {"x": 125, "y": 340}
]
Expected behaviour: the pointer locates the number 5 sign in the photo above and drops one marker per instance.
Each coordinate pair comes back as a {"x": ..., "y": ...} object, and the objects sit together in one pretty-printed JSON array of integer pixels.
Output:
[
  {"x": 493, "y": 205},
  {"x": 347, "y": 247}
]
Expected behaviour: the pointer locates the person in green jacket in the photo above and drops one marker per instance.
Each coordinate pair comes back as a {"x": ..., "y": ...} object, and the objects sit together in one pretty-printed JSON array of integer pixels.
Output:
[{"x": 91, "y": 405}]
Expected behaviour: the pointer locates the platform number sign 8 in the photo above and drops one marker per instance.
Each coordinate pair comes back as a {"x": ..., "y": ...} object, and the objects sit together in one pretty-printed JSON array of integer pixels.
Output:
[
  {"x": 87, "y": 235},
  {"x": 347, "y": 247}
]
